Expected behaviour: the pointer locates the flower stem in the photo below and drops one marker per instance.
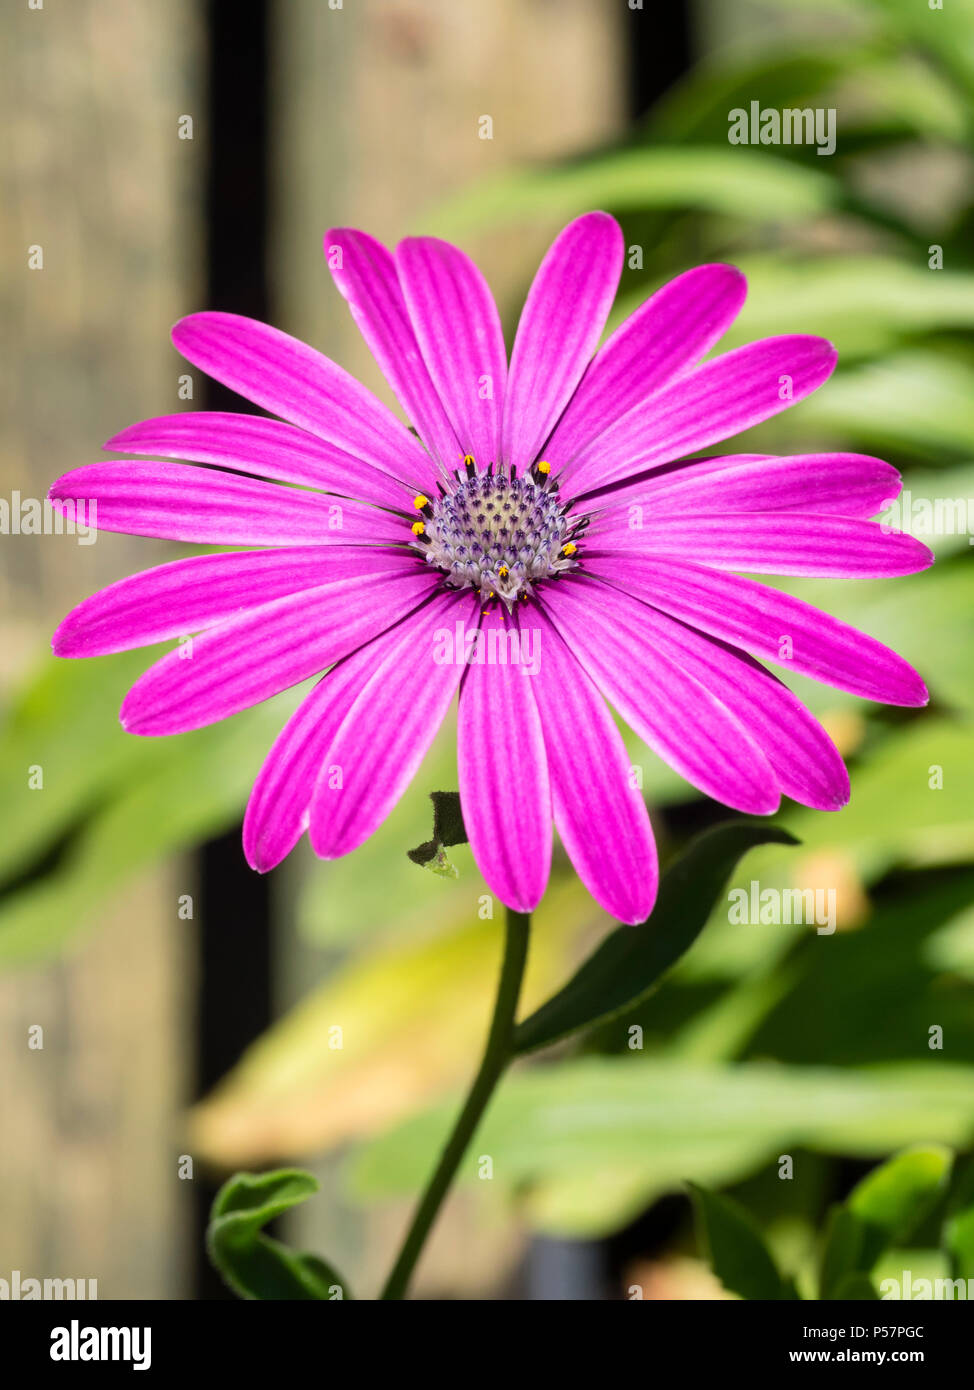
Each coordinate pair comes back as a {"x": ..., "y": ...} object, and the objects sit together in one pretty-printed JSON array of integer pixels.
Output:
[{"x": 497, "y": 1055}]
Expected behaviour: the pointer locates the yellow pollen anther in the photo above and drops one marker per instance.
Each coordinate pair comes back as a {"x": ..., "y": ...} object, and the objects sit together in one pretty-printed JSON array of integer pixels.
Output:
[
  {"x": 503, "y": 571},
  {"x": 544, "y": 466},
  {"x": 419, "y": 502},
  {"x": 418, "y": 528},
  {"x": 468, "y": 461},
  {"x": 569, "y": 549}
]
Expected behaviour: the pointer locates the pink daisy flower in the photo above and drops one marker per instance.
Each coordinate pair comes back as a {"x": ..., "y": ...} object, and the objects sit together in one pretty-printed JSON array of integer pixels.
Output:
[{"x": 547, "y": 503}]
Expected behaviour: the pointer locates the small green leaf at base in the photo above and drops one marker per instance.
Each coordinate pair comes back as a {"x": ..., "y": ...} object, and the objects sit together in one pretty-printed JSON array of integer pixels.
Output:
[
  {"x": 891, "y": 1201},
  {"x": 739, "y": 1257},
  {"x": 254, "y": 1265}
]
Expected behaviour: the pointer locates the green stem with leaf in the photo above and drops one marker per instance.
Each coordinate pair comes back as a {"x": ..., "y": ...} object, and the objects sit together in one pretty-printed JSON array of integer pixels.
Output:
[
  {"x": 497, "y": 1055},
  {"x": 616, "y": 978}
]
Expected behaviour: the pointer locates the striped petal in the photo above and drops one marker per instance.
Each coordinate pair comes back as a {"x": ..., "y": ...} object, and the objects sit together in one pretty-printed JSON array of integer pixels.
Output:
[
  {"x": 806, "y": 763},
  {"x": 279, "y": 806},
  {"x": 458, "y": 329},
  {"x": 504, "y": 790},
  {"x": 183, "y": 502},
  {"x": 268, "y": 649},
  {"x": 601, "y": 818},
  {"x": 768, "y": 624},
  {"x": 842, "y": 484},
  {"x": 292, "y": 380},
  {"x": 670, "y": 711},
  {"x": 770, "y": 543},
  {"x": 675, "y": 327},
  {"x": 723, "y": 397},
  {"x": 562, "y": 321},
  {"x": 365, "y": 273},
  {"x": 388, "y": 729},
  {"x": 186, "y": 596},
  {"x": 640, "y": 486},
  {"x": 266, "y": 448}
]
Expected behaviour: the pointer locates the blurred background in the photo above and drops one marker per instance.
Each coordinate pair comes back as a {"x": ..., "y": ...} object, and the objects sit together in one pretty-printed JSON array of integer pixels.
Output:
[{"x": 168, "y": 157}]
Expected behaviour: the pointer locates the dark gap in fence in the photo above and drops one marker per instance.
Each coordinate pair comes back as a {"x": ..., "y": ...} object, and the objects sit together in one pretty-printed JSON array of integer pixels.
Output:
[
  {"x": 659, "y": 46},
  {"x": 234, "y": 1001}
]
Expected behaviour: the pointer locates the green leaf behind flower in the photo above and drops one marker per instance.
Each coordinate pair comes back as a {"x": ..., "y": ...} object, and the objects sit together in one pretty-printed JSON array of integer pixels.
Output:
[{"x": 628, "y": 964}]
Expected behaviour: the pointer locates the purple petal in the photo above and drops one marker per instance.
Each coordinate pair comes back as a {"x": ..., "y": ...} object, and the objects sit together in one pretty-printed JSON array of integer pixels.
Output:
[
  {"x": 675, "y": 327},
  {"x": 290, "y": 379},
  {"x": 766, "y": 623},
  {"x": 367, "y": 278},
  {"x": 185, "y": 596},
  {"x": 670, "y": 711},
  {"x": 852, "y": 485},
  {"x": 459, "y": 332},
  {"x": 769, "y": 543},
  {"x": 723, "y": 397},
  {"x": 182, "y": 502},
  {"x": 561, "y": 323},
  {"x": 806, "y": 763},
  {"x": 264, "y": 447},
  {"x": 504, "y": 789},
  {"x": 265, "y": 650},
  {"x": 278, "y": 809},
  {"x": 388, "y": 729},
  {"x": 601, "y": 818}
]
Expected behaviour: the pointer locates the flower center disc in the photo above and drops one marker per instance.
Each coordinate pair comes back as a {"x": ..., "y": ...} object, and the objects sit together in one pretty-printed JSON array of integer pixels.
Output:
[{"x": 498, "y": 534}]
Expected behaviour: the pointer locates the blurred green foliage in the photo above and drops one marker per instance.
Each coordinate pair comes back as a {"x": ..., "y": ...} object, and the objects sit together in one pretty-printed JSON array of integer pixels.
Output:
[
  {"x": 880, "y": 1214},
  {"x": 766, "y": 1038}
]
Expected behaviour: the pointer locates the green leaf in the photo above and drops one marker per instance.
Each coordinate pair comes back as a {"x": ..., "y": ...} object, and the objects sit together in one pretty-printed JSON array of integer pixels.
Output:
[
  {"x": 256, "y": 1266},
  {"x": 864, "y": 304},
  {"x": 64, "y": 719},
  {"x": 179, "y": 792},
  {"x": 740, "y": 1259},
  {"x": 959, "y": 1242},
  {"x": 918, "y": 399},
  {"x": 588, "y": 1144},
  {"x": 696, "y": 108},
  {"x": 627, "y": 965},
  {"x": 948, "y": 39},
  {"x": 958, "y": 1234},
  {"x": 891, "y": 1200},
  {"x": 736, "y": 181},
  {"x": 856, "y": 1287},
  {"x": 897, "y": 96},
  {"x": 895, "y": 814},
  {"x": 842, "y": 1253},
  {"x": 952, "y": 947}
]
